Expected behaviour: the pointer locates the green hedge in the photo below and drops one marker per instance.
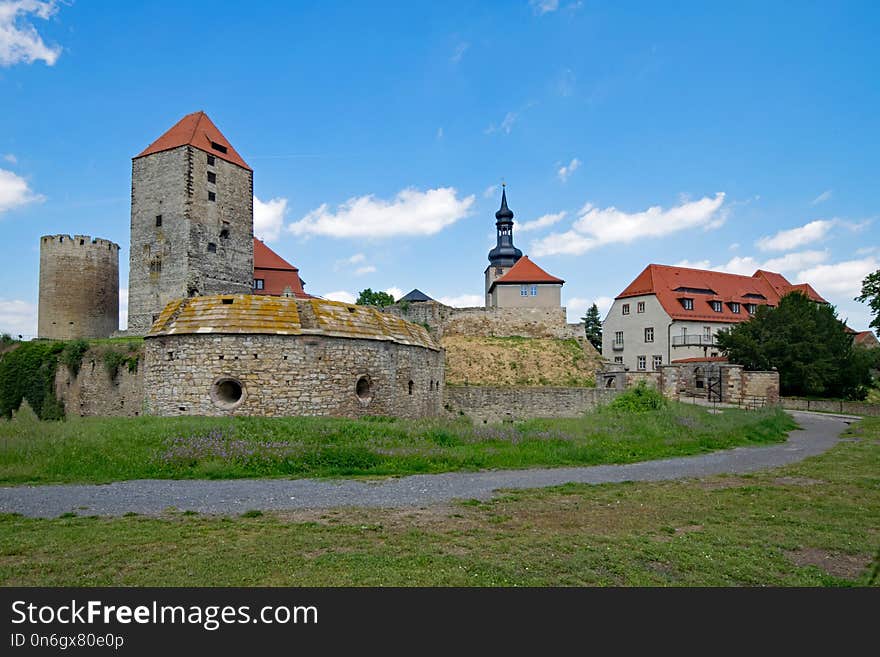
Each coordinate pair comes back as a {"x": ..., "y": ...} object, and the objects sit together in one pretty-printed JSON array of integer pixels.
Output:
[{"x": 28, "y": 372}]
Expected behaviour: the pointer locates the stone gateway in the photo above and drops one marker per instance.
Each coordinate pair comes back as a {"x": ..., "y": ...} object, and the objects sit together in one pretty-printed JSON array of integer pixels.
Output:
[{"x": 276, "y": 356}]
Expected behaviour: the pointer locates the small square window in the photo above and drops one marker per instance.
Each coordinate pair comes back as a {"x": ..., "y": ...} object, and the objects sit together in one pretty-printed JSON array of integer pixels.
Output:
[
  {"x": 657, "y": 362},
  {"x": 523, "y": 290},
  {"x": 751, "y": 308},
  {"x": 716, "y": 306},
  {"x": 210, "y": 160},
  {"x": 212, "y": 196},
  {"x": 688, "y": 304},
  {"x": 643, "y": 363},
  {"x": 212, "y": 248},
  {"x": 625, "y": 309},
  {"x": 618, "y": 360},
  {"x": 259, "y": 283},
  {"x": 212, "y": 177},
  {"x": 158, "y": 220},
  {"x": 224, "y": 234},
  {"x": 734, "y": 308},
  {"x": 640, "y": 307},
  {"x": 534, "y": 290},
  {"x": 220, "y": 148}
]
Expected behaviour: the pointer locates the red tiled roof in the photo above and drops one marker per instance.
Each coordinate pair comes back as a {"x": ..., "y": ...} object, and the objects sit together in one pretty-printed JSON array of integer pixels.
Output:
[
  {"x": 525, "y": 271},
  {"x": 276, "y": 272},
  {"x": 707, "y": 359},
  {"x": 866, "y": 339},
  {"x": 671, "y": 284},
  {"x": 196, "y": 130}
]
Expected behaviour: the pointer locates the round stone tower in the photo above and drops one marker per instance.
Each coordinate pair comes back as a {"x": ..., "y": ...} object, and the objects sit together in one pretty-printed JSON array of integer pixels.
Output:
[{"x": 79, "y": 287}]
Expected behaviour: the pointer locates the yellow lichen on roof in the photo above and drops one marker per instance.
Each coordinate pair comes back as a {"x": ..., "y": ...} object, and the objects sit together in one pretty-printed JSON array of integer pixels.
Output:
[{"x": 251, "y": 314}]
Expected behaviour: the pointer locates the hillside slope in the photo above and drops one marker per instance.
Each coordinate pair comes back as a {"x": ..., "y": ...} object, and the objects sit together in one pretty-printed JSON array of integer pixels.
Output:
[{"x": 517, "y": 361}]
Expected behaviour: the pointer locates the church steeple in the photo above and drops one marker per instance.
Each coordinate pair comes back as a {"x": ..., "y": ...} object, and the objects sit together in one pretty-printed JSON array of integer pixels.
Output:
[{"x": 505, "y": 254}]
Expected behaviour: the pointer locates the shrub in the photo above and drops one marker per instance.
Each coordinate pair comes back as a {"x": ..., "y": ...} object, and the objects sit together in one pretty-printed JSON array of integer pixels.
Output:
[
  {"x": 72, "y": 355},
  {"x": 639, "y": 399},
  {"x": 28, "y": 372}
]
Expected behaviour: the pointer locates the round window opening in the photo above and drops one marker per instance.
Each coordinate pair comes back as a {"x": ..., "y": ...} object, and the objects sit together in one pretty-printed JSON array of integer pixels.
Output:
[
  {"x": 364, "y": 389},
  {"x": 227, "y": 393}
]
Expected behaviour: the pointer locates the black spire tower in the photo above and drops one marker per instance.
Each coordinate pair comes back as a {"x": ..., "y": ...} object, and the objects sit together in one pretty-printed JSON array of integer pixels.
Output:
[{"x": 505, "y": 254}]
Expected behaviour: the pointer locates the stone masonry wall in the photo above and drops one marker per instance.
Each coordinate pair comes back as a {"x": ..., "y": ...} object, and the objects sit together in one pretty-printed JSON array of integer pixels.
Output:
[
  {"x": 93, "y": 392},
  {"x": 491, "y": 404},
  {"x": 291, "y": 375},
  {"x": 489, "y": 322},
  {"x": 79, "y": 287}
]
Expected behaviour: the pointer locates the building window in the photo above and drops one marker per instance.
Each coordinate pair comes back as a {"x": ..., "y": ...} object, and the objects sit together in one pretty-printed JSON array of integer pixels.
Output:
[
  {"x": 212, "y": 248},
  {"x": 688, "y": 304},
  {"x": 259, "y": 283},
  {"x": 707, "y": 332},
  {"x": 657, "y": 362},
  {"x": 523, "y": 290},
  {"x": 716, "y": 306},
  {"x": 158, "y": 220},
  {"x": 210, "y": 160},
  {"x": 212, "y": 177},
  {"x": 224, "y": 234},
  {"x": 212, "y": 196},
  {"x": 618, "y": 337},
  {"x": 218, "y": 147},
  {"x": 642, "y": 363},
  {"x": 751, "y": 308},
  {"x": 618, "y": 360},
  {"x": 625, "y": 309},
  {"x": 640, "y": 307},
  {"x": 498, "y": 271},
  {"x": 534, "y": 290},
  {"x": 649, "y": 334},
  {"x": 734, "y": 307}
]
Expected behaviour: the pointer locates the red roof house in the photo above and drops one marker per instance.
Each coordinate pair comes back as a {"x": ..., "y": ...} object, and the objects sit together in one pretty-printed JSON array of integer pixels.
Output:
[
  {"x": 274, "y": 276},
  {"x": 199, "y": 131}
]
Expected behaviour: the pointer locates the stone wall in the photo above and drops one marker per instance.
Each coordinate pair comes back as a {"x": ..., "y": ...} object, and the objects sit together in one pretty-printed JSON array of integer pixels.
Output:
[
  {"x": 200, "y": 246},
  {"x": 282, "y": 375},
  {"x": 93, "y": 392},
  {"x": 738, "y": 386},
  {"x": 79, "y": 287},
  {"x": 489, "y": 322},
  {"x": 830, "y": 406},
  {"x": 491, "y": 404}
]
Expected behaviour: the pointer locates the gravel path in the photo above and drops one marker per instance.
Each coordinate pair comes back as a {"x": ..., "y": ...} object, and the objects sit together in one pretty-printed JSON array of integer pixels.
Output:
[{"x": 153, "y": 496}]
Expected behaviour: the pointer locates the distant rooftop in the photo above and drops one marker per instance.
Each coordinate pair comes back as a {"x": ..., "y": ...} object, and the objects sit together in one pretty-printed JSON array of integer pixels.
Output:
[
  {"x": 197, "y": 130},
  {"x": 416, "y": 296}
]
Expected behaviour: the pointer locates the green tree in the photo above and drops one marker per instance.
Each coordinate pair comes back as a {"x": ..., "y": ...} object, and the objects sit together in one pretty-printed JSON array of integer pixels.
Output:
[
  {"x": 369, "y": 298},
  {"x": 871, "y": 295},
  {"x": 593, "y": 327},
  {"x": 806, "y": 343}
]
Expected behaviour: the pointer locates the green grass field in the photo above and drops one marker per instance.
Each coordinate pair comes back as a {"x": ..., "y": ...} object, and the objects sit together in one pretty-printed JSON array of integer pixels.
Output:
[
  {"x": 816, "y": 523},
  {"x": 111, "y": 449}
]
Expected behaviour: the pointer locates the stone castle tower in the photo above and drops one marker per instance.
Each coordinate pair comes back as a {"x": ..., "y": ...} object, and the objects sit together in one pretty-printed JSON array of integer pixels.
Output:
[
  {"x": 192, "y": 220},
  {"x": 505, "y": 255},
  {"x": 79, "y": 287}
]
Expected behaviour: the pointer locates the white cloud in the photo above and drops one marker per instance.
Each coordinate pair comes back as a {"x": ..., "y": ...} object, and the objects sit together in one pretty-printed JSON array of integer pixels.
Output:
[
  {"x": 411, "y": 212},
  {"x": 795, "y": 237},
  {"x": 19, "y": 40},
  {"x": 540, "y": 222},
  {"x": 567, "y": 169},
  {"x": 395, "y": 292},
  {"x": 596, "y": 226},
  {"x": 356, "y": 258},
  {"x": 542, "y": 7},
  {"x": 269, "y": 218},
  {"x": 865, "y": 250},
  {"x": 458, "y": 53},
  {"x": 14, "y": 191},
  {"x": 843, "y": 278},
  {"x": 490, "y": 191},
  {"x": 506, "y": 124},
  {"x": 367, "y": 269},
  {"x": 824, "y": 196},
  {"x": 9, "y": 157},
  {"x": 18, "y": 318},
  {"x": 747, "y": 265},
  {"x": 463, "y": 300},
  {"x": 123, "y": 308},
  {"x": 577, "y": 307},
  {"x": 340, "y": 295},
  {"x": 734, "y": 246}
]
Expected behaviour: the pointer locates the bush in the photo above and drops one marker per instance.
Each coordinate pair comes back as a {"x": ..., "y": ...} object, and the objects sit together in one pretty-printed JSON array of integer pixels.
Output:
[
  {"x": 72, "y": 355},
  {"x": 28, "y": 372},
  {"x": 639, "y": 399}
]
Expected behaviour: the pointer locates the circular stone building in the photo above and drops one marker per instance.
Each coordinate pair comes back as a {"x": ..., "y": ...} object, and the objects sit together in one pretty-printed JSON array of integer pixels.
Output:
[
  {"x": 79, "y": 287},
  {"x": 274, "y": 356}
]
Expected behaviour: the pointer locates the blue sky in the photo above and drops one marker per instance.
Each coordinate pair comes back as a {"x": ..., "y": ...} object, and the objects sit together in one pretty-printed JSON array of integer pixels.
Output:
[{"x": 729, "y": 135}]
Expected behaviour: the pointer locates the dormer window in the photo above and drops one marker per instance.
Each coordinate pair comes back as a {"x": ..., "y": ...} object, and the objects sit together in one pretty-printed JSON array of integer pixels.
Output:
[
  {"x": 220, "y": 148},
  {"x": 687, "y": 304},
  {"x": 751, "y": 308},
  {"x": 734, "y": 307},
  {"x": 716, "y": 306}
]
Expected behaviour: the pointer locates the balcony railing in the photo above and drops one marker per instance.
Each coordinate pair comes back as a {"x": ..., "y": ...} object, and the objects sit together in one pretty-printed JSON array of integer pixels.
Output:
[
  {"x": 694, "y": 340},
  {"x": 617, "y": 345}
]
